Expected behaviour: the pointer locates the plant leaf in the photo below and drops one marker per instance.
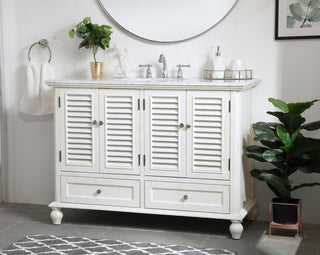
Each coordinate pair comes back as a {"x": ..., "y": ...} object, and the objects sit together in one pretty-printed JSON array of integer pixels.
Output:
[
  {"x": 305, "y": 185},
  {"x": 92, "y": 35},
  {"x": 299, "y": 108},
  {"x": 256, "y": 156},
  {"x": 309, "y": 161},
  {"x": 281, "y": 165},
  {"x": 274, "y": 178},
  {"x": 272, "y": 156},
  {"x": 304, "y": 2},
  {"x": 290, "y": 22},
  {"x": 305, "y": 145},
  {"x": 264, "y": 132},
  {"x": 279, "y": 104},
  {"x": 86, "y": 20},
  {"x": 291, "y": 121},
  {"x": 295, "y": 134},
  {"x": 256, "y": 152},
  {"x": 81, "y": 32},
  {"x": 314, "y": 15},
  {"x": 274, "y": 171},
  {"x": 314, "y": 3},
  {"x": 85, "y": 44},
  {"x": 268, "y": 124},
  {"x": 105, "y": 42},
  {"x": 297, "y": 11},
  {"x": 309, "y": 169},
  {"x": 256, "y": 149},
  {"x": 312, "y": 126},
  {"x": 306, "y": 25},
  {"x": 91, "y": 39},
  {"x": 284, "y": 135},
  {"x": 71, "y": 33},
  {"x": 102, "y": 46},
  {"x": 270, "y": 144}
]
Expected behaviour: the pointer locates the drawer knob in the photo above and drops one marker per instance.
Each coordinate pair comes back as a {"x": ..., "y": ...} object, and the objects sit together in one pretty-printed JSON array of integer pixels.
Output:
[
  {"x": 181, "y": 125},
  {"x": 188, "y": 126},
  {"x": 94, "y": 122},
  {"x": 100, "y": 122},
  {"x": 99, "y": 191},
  {"x": 185, "y": 197}
]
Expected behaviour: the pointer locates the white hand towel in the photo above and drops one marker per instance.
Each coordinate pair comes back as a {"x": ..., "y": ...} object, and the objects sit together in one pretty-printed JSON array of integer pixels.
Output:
[{"x": 37, "y": 98}]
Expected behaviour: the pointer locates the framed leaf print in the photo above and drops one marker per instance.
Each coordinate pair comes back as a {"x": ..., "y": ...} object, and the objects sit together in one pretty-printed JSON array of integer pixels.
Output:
[{"x": 297, "y": 19}]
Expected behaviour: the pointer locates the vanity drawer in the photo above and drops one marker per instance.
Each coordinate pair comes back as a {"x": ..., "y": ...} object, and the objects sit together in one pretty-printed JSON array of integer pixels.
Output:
[
  {"x": 187, "y": 197},
  {"x": 98, "y": 191}
]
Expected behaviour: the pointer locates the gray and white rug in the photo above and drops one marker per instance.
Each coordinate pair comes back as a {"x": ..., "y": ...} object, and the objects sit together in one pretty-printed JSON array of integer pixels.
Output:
[{"x": 53, "y": 245}]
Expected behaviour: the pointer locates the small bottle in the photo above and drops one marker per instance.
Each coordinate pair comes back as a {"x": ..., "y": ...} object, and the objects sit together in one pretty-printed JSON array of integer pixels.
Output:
[{"x": 218, "y": 65}]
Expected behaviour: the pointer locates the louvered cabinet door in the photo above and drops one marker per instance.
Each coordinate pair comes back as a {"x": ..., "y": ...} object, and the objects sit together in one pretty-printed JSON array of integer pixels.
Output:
[
  {"x": 165, "y": 139},
  {"x": 120, "y": 144},
  {"x": 80, "y": 142},
  {"x": 208, "y": 135}
]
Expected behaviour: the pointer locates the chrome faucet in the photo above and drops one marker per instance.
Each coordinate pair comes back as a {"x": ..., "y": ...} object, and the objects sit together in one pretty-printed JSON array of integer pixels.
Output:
[{"x": 162, "y": 59}]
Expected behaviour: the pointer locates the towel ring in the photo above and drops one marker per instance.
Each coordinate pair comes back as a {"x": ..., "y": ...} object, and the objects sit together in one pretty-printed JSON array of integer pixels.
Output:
[{"x": 44, "y": 44}]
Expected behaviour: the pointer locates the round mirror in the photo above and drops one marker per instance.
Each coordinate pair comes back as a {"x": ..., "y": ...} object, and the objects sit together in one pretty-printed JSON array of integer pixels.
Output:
[{"x": 166, "y": 20}]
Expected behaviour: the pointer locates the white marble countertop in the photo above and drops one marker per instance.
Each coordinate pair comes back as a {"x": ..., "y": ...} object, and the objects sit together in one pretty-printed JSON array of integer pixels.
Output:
[{"x": 155, "y": 83}]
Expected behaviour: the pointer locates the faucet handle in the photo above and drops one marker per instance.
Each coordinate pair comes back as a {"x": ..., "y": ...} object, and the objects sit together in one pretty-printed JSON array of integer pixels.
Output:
[
  {"x": 180, "y": 73},
  {"x": 148, "y": 71}
]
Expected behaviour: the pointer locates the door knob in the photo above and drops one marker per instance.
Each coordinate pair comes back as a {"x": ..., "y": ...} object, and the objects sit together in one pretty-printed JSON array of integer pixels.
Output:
[
  {"x": 181, "y": 125},
  {"x": 188, "y": 126},
  {"x": 94, "y": 122},
  {"x": 100, "y": 122}
]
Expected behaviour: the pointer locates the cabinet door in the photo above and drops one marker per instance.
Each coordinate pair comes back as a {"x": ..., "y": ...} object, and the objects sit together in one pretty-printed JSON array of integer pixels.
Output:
[
  {"x": 208, "y": 136},
  {"x": 120, "y": 132},
  {"x": 165, "y": 140},
  {"x": 80, "y": 142}
]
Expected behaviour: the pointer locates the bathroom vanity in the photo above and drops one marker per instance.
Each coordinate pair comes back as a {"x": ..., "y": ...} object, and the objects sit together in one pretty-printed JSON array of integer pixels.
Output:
[{"x": 156, "y": 146}]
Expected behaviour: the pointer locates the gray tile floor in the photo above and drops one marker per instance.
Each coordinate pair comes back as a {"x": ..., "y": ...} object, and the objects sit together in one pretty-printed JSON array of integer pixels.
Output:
[{"x": 17, "y": 221}]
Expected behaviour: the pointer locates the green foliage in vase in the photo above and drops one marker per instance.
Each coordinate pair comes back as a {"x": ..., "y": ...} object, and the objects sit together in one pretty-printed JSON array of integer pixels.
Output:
[
  {"x": 285, "y": 148},
  {"x": 305, "y": 12},
  {"x": 93, "y": 36}
]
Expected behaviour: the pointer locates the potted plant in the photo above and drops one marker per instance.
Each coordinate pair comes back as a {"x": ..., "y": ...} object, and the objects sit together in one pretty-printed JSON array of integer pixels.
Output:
[
  {"x": 93, "y": 37},
  {"x": 286, "y": 148}
]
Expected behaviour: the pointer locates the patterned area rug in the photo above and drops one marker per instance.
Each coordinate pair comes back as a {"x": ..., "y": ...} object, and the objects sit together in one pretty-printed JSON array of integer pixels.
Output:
[{"x": 53, "y": 245}]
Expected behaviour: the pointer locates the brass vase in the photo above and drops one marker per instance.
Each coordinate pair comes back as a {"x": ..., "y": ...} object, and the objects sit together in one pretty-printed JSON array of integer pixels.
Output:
[{"x": 97, "y": 69}]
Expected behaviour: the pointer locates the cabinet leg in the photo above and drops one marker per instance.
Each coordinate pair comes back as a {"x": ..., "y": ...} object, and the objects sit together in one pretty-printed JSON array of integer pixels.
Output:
[
  {"x": 56, "y": 216},
  {"x": 236, "y": 229},
  {"x": 252, "y": 215}
]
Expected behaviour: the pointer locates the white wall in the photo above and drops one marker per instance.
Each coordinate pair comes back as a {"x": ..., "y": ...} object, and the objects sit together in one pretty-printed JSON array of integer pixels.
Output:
[
  {"x": 1, "y": 83},
  {"x": 288, "y": 70},
  {"x": 3, "y": 152}
]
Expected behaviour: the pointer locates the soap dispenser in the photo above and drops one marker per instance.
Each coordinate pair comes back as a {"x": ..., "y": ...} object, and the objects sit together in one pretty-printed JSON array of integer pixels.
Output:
[{"x": 218, "y": 65}]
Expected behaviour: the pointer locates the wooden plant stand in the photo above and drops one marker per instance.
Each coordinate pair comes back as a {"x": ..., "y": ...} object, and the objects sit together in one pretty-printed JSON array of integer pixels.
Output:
[{"x": 287, "y": 231}]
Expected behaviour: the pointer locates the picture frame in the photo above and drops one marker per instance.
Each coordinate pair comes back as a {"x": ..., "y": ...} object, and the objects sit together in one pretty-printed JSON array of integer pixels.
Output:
[{"x": 297, "y": 19}]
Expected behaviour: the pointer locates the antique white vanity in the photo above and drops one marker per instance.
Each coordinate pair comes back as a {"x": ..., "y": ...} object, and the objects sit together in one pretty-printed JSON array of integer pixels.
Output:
[{"x": 156, "y": 146}]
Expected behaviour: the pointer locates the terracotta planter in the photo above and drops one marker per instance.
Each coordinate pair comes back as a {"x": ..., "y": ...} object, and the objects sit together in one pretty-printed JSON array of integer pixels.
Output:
[{"x": 96, "y": 69}]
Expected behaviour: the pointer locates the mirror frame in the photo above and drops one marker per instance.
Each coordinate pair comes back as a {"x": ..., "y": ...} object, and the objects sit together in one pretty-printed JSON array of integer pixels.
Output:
[{"x": 164, "y": 41}]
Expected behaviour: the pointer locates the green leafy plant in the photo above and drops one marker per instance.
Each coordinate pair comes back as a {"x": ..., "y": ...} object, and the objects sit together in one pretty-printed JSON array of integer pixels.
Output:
[
  {"x": 304, "y": 11},
  {"x": 93, "y": 36},
  {"x": 285, "y": 148}
]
